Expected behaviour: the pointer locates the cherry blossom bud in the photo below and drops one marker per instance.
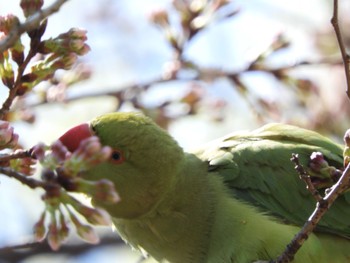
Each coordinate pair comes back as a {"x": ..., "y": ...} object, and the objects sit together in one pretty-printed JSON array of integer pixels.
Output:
[
  {"x": 17, "y": 52},
  {"x": 63, "y": 229},
  {"x": 8, "y": 22},
  {"x": 54, "y": 158},
  {"x": 72, "y": 41},
  {"x": 74, "y": 33},
  {"x": 53, "y": 236},
  {"x": 30, "y": 7},
  {"x": 23, "y": 165},
  {"x": 59, "y": 151},
  {"x": 65, "y": 62},
  {"x": 38, "y": 151},
  {"x": 160, "y": 17},
  {"x": 8, "y": 139},
  {"x": 40, "y": 229},
  {"x": 6, "y": 70},
  {"x": 94, "y": 216},
  {"x": 101, "y": 191},
  {"x": 86, "y": 232},
  {"x": 98, "y": 216},
  {"x": 89, "y": 153},
  {"x": 317, "y": 161}
]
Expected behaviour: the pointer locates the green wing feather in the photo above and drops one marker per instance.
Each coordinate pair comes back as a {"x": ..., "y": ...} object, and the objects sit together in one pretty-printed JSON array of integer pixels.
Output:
[{"x": 256, "y": 166}]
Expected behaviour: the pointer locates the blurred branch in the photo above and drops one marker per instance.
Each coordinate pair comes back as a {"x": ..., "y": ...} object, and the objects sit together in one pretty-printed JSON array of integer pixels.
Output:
[
  {"x": 18, "y": 253},
  {"x": 31, "y": 23},
  {"x": 14, "y": 155},
  {"x": 14, "y": 90},
  {"x": 24, "y": 179},
  {"x": 344, "y": 54},
  {"x": 126, "y": 92}
]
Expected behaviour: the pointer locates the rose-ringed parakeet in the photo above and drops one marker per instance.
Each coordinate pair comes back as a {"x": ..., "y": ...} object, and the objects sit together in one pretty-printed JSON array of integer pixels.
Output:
[{"x": 238, "y": 199}]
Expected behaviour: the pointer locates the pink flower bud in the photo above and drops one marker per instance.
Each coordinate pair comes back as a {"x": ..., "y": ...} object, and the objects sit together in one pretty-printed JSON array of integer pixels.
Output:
[
  {"x": 160, "y": 17},
  {"x": 59, "y": 151},
  {"x": 74, "y": 33},
  {"x": 8, "y": 139},
  {"x": 39, "y": 228},
  {"x": 29, "y": 7},
  {"x": 65, "y": 62},
  {"x": 38, "y": 151},
  {"x": 23, "y": 165},
  {"x": 105, "y": 191},
  {"x": 89, "y": 153},
  {"x": 101, "y": 191},
  {"x": 8, "y": 22},
  {"x": 88, "y": 234},
  {"x": 17, "y": 52},
  {"x": 63, "y": 229},
  {"x": 95, "y": 216},
  {"x": 53, "y": 235},
  {"x": 317, "y": 161}
]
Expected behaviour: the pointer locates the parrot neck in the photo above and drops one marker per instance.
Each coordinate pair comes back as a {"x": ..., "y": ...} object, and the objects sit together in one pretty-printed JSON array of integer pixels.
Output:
[{"x": 178, "y": 229}]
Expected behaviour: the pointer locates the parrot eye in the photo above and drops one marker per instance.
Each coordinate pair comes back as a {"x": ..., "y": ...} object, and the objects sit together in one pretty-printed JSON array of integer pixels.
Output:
[{"x": 117, "y": 157}]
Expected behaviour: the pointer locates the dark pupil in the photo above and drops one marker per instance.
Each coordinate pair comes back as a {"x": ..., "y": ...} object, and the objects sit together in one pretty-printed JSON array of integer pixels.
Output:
[{"x": 116, "y": 156}]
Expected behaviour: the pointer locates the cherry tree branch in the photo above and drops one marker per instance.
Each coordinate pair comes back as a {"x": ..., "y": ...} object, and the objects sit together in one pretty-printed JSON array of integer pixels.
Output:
[
  {"x": 31, "y": 23},
  {"x": 321, "y": 209}
]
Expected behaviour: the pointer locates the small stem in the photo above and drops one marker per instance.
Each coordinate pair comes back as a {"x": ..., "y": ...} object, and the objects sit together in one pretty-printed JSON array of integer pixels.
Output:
[
  {"x": 19, "y": 154},
  {"x": 306, "y": 178},
  {"x": 13, "y": 90},
  {"x": 24, "y": 179},
  {"x": 344, "y": 54}
]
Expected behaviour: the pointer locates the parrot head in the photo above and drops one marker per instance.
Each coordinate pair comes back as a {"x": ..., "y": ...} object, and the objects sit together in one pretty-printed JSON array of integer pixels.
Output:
[{"x": 143, "y": 165}]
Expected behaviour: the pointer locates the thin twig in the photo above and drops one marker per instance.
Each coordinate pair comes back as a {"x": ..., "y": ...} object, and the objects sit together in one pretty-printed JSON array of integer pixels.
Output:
[
  {"x": 344, "y": 54},
  {"x": 24, "y": 179},
  {"x": 31, "y": 23},
  {"x": 18, "y": 253},
  {"x": 18, "y": 154},
  {"x": 306, "y": 178},
  {"x": 202, "y": 74},
  {"x": 13, "y": 90}
]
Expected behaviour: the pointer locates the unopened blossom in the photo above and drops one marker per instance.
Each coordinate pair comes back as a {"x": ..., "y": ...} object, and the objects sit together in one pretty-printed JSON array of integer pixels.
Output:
[
  {"x": 39, "y": 228},
  {"x": 30, "y": 7},
  {"x": 8, "y": 139}
]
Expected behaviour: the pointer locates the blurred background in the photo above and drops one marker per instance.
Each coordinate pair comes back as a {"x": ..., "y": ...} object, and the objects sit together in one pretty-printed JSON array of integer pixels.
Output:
[{"x": 199, "y": 68}]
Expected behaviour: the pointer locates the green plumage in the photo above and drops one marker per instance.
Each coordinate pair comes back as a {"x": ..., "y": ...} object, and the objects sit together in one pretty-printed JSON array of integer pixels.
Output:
[{"x": 238, "y": 199}]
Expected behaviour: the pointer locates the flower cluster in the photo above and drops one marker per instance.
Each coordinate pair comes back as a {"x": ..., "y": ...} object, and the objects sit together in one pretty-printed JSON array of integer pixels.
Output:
[
  {"x": 60, "y": 52},
  {"x": 61, "y": 174},
  {"x": 56, "y": 53}
]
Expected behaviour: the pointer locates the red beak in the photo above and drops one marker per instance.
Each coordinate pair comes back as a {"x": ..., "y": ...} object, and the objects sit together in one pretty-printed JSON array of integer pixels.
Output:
[{"x": 72, "y": 138}]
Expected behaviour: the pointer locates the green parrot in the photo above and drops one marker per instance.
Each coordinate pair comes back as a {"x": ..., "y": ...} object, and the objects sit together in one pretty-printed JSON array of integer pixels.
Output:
[{"x": 237, "y": 199}]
